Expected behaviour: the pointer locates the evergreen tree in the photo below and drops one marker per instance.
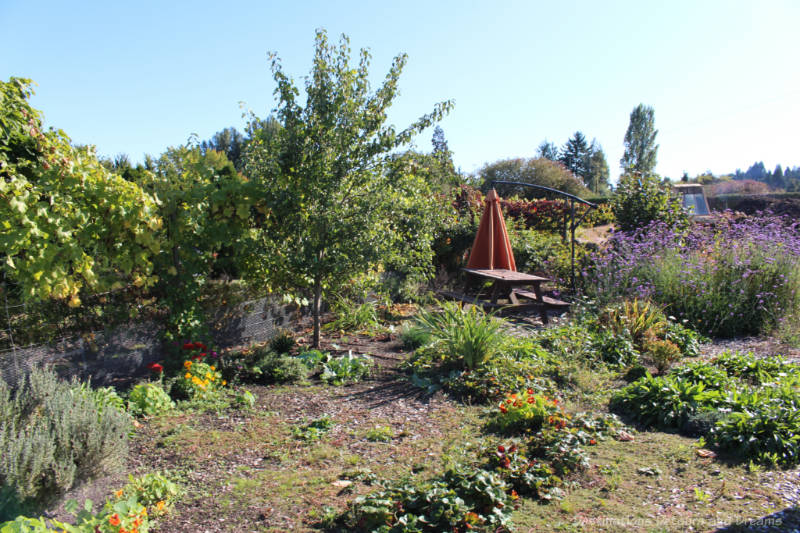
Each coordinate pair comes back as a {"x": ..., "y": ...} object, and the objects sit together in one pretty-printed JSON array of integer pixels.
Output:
[
  {"x": 547, "y": 150},
  {"x": 575, "y": 155},
  {"x": 640, "y": 142},
  {"x": 597, "y": 172}
]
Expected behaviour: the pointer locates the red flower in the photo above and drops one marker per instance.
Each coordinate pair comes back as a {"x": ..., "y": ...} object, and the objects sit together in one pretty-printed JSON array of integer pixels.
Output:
[
  {"x": 203, "y": 354},
  {"x": 200, "y": 346},
  {"x": 155, "y": 367},
  {"x": 501, "y": 449},
  {"x": 592, "y": 442},
  {"x": 189, "y": 346},
  {"x": 197, "y": 357},
  {"x": 503, "y": 408}
]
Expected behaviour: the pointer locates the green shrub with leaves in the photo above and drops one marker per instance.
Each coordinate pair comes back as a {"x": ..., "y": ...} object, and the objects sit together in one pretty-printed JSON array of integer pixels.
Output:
[
  {"x": 763, "y": 424},
  {"x": 51, "y": 437},
  {"x": 642, "y": 199},
  {"x": 664, "y": 401},
  {"x": 664, "y": 353},
  {"x": 526, "y": 476},
  {"x": 348, "y": 368},
  {"x": 413, "y": 336},
  {"x": 314, "y": 430},
  {"x": 263, "y": 365},
  {"x": 615, "y": 347},
  {"x": 468, "y": 336},
  {"x": 154, "y": 491},
  {"x": 490, "y": 380},
  {"x": 282, "y": 342},
  {"x": 352, "y": 316},
  {"x": 462, "y": 498},
  {"x": 149, "y": 399},
  {"x": 711, "y": 376},
  {"x": 113, "y": 517},
  {"x": 103, "y": 397},
  {"x": 755, "y": 370}
]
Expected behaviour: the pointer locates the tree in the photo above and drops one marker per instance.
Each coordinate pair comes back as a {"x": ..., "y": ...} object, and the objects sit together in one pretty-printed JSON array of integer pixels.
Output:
[
  {"x": 547, "y": 150},
  {"x": 640, "y": 200},
  {"x": 329, "y": 202},
  {"x": 443, "y": 173},
  {"x": 536, "y": 171},
  {"x": 230, "y": 142},
  {"x": 69, "y": 225},
  {"x": 640, "y": 142},
  {"x": 575, "y": 154},
  {"x": 597, "y": 173}
]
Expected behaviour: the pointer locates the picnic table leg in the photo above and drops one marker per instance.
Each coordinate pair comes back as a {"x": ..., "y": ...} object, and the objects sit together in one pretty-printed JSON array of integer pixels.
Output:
[
  {"x": 495, "y": 292},
  {"x": 537, "y": 288}
]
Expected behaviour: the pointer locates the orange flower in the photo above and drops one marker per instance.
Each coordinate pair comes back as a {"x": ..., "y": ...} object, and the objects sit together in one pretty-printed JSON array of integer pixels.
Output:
[
  {"x": 160, "y": 505},
  {"x": 187, "y": 364},
  {"x": 113, "y": 519},
  {"x": 503, "y": 408},
  {"x": 118, "y": 494},
  {"x": 514, "y": 495},
  {"x": 592, "y": 442},
  {"x": 224, "y": 382}
]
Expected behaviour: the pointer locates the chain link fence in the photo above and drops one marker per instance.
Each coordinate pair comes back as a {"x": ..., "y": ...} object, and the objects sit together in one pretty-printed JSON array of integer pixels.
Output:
[{"x": 119, "y": 352}]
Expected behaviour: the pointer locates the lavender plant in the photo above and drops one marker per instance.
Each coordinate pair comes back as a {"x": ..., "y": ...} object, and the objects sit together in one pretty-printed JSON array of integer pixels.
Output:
[{"x": 730, "y": 277}]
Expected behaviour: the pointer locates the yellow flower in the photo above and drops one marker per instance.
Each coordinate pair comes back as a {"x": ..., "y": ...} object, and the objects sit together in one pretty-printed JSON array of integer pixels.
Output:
[
  {"x": 224, "y": 382},
  {"x": 208, "y": 375},
  {"x": 187, "y": 375},
  {"x": 187, "y": 364}
]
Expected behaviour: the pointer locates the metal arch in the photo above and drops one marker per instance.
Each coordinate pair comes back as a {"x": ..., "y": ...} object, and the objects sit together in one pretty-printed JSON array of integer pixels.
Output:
[{"x": 573, "y": 223}]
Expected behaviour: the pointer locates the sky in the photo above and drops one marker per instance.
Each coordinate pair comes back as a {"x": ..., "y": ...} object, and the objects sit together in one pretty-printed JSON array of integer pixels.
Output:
[{"x": 138, "y": 77}]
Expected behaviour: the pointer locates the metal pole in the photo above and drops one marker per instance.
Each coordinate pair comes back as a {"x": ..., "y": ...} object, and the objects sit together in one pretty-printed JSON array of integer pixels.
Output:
[{"x": 572, "y": 242}]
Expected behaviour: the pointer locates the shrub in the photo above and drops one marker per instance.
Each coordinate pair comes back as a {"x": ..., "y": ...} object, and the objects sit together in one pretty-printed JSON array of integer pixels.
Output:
[
  {"x": 154, "y": 491},
  {"x": 462, "y": 498},
  {"x": 664, "y": 353},
  {"x": 114, "y": 517},
  {"x": 314, "y": 430},
  {"x": 615, "y": 348},
  {"x": 199, "y": 381},
  {"x": 468, "y": 336},
  {"x": 764, "y": 432},
  {"x": 346, "y": 369},
  {"x": 352, "y": 316},
  {"x": 664, "y": 401},
  {"x": 643, "y": 199},
  {"x": 414, "y": 337},
  {"x": 149, "y": 399},
  {"x": 732, "y": 277},
  {"x": 50, "y": 438},
  {"x": 282, "y": 342},
  {"x": 526, "y": 412},
  {"x": 262, "y": 365},
  {"x": 755, "y": 370},
  {"x": 490, "y": 380}
]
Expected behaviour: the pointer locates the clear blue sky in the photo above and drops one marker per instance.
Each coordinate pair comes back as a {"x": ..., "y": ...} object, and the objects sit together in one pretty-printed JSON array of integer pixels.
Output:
[{"x": 136, "y": 77}]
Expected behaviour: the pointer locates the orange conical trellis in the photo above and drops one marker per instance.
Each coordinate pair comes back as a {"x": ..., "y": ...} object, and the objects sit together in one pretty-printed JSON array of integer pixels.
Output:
[{"x": 491, "y": 248}]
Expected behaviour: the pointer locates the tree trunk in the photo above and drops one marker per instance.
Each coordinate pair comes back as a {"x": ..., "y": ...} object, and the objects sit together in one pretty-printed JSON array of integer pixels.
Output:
[{"x": 316, "y": 310}]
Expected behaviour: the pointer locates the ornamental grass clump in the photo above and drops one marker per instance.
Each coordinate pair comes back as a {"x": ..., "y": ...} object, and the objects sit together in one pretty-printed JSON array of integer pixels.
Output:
[
  {"x": 468, "y": 336},
  {"x": 734, "y": 276}
]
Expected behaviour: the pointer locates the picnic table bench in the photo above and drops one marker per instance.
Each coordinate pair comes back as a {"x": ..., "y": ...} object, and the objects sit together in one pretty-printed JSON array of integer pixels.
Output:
[{"x": 511, "y": 285}]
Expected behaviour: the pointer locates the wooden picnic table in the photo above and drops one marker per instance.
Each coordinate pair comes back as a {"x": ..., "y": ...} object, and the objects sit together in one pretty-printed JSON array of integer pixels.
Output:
[{"x": 510, "y": 284}]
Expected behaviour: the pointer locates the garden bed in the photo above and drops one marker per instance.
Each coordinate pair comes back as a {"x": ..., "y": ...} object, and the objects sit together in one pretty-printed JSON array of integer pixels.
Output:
[{"x": 246, "y": 470}]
